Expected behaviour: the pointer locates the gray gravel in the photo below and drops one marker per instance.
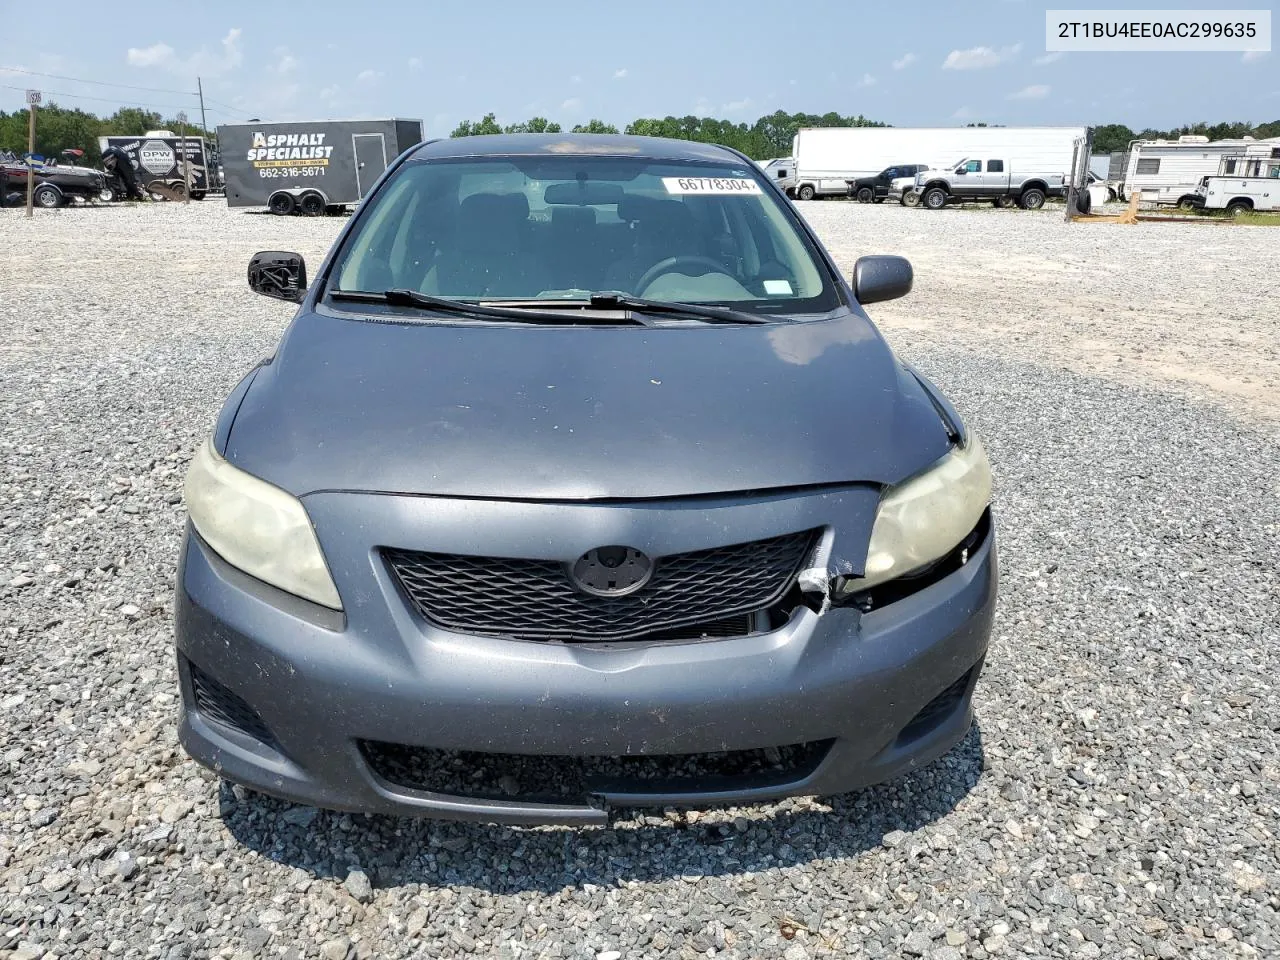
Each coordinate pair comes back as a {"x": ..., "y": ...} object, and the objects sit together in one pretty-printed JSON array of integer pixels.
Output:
[{"x": 1118, "y": 796}]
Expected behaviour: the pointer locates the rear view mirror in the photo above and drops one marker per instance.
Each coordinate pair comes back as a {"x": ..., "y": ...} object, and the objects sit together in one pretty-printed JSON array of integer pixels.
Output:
[
  {"x": 277, "y": 274},
  {"x": 876, "y": 279},
  {"x": 586, "y": 192}
]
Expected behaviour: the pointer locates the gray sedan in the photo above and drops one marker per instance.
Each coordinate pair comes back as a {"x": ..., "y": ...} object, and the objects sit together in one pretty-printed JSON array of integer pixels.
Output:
[{"x": 580, "y": 480}]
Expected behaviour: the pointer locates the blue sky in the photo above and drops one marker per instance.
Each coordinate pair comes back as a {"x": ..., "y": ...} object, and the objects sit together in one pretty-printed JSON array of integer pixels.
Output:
[{"x": 907, "y": 64}]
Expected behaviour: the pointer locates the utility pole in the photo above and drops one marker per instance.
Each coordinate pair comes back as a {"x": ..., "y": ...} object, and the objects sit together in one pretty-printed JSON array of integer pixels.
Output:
[
  {"x": 204, "y": 127},
  {"x": 186, "y": 158},
  {"x": 33, "y": 101}
]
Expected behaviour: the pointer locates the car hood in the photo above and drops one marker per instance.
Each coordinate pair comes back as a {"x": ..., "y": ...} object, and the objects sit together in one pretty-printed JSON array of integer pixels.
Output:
[{"x": 528, "y": 412}]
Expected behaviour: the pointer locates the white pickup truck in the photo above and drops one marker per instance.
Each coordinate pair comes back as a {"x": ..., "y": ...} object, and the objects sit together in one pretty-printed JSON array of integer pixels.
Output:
[{"x": 995, "y": 180}]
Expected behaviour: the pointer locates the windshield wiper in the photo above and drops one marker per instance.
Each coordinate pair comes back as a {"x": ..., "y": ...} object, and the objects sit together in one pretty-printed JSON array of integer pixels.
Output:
[
  {"x": 698, "y": 311},
  {"x": 467, "y": 308}
]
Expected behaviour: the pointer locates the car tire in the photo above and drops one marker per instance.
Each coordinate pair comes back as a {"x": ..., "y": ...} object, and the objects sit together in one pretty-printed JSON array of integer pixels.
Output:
[
  {"x": 866, "y": 195},
  {"x": 281, "y": 204},
  {"x": 311, "y": 204},
  {"x": 179, "y": 191},
  {"x": 106, "y": 195},
  {"x": 935, "y": 198},
  {"x": 48, "y": 197},
  {"x": 806, "y": 192},
  {"x": 910, "y": 199},
  {"x": 1239, "y": 208},
  {"x": 198, "y": 194},
  {"x": 1032, "y": 199},
  {"x": 1187, "y": 204}
]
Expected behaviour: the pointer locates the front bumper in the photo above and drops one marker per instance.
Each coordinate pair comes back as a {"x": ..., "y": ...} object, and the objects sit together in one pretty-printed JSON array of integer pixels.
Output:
[{"x": 321, "y": 684}]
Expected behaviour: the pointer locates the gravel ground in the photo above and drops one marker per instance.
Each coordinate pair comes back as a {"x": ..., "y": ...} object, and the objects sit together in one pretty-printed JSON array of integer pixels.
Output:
[{"x": 1118, "y": 796}]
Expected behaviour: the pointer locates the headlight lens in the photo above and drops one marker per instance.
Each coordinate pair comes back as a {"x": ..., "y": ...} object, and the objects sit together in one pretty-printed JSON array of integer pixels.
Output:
[
  {"x": 257, "y": 527},
  {"x": 925, "y": 518}
]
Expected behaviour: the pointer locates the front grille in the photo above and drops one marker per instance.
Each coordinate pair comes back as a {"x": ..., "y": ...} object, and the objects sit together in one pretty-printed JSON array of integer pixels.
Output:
[
  {"x": 561, "y": 779},
  {"x": 535, "y": 599},
  {"x": 219, "y": 705}
]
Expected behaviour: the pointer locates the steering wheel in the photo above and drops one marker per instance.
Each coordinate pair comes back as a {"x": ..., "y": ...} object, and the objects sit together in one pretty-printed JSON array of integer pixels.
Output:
[{"x": 673, "y": 265}]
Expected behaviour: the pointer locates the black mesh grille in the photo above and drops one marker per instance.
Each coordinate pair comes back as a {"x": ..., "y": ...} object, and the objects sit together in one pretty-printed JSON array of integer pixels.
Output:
[
  {"x": 560, "y": 779},
  {"x": 219, "y": 705},
  {"x": 535, "y": 599}
]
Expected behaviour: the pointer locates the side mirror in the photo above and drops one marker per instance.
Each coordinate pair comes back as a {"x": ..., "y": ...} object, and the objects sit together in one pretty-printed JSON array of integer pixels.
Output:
[
  {"x": 277, "y": 274},
  {"x": 876, "y": 279}
]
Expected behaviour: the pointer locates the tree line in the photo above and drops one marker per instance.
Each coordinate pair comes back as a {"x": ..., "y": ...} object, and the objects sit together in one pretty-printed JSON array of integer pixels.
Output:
[
  {"x": 768, "y": 137},
  {"x": 60, "y": 128}
]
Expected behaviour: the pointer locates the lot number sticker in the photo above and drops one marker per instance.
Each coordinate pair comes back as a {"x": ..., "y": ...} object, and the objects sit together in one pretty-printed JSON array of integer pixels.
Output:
[{"x": 718, "y": 185}]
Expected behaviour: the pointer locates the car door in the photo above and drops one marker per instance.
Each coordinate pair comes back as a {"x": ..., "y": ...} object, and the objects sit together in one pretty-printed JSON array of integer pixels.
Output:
[
  {"x": 969, "y": 178},
  {"x": 995, "y": 179},
  {"x": 886, "y": 177}
]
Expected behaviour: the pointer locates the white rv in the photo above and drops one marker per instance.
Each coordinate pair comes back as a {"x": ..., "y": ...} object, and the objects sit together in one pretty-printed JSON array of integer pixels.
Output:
[
  {"x": 1167, "y": 172},
  {"x": 827, "y": 158}
]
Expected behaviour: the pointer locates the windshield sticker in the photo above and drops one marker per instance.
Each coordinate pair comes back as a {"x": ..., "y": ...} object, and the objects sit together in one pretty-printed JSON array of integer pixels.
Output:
[
  {"x": 717, "y": 185},
  {"x": 781, "y": 287}
]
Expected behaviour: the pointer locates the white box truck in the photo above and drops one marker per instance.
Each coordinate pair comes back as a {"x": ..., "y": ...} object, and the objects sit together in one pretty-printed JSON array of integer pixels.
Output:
[
  {"x": 827, "y": 158},
  {"x": 1168, "y": 172}
]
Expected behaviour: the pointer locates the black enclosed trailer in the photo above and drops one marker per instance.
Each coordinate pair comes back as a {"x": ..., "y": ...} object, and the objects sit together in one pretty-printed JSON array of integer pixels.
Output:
[
  {"x": 158, "y": 159},
  {"x": 310, "y": 166}
]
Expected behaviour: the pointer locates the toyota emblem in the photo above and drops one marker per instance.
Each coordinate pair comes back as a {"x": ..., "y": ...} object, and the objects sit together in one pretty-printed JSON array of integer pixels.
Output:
[{"x": 611, "y": 571}]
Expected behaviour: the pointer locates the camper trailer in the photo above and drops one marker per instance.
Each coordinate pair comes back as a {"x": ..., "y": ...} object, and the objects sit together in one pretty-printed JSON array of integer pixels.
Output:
[
  {"x": 1168, "y": 172},
  {"x": 828, "y": 158}
]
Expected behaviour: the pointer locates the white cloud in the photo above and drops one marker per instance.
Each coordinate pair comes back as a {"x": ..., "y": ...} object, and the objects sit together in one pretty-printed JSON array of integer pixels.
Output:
[
  {"x": 286, "y": 62},
  {"x": 330, "y": 93},
  {"x": 572, "y": 105},
  {"x": 979, "y": 58},
  {"x": 619, "y": 73},
  {"x": 963, "y": 113},
  {"x": 1249, "y": 56},
  {"x": 202, "y": 62},
  {"x": 904, "y": 61},
  {"x": 156, "y": 55},
  {"x": 368, "y": 76},
  {"x": 736, "y": 106},
  {"x": 1049, "y": 58},
  {"x": 867, "y": 81},
  {"x": 415, "y": 64},
  {"x": 1037, "y": 91}
]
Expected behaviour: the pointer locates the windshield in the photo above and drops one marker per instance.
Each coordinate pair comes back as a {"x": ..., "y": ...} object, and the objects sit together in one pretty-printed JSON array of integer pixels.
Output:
[{"x": 565, "y": 227}]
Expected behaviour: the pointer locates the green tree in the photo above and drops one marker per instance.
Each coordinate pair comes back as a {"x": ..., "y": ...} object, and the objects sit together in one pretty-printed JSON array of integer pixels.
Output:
[
  {"x": 595, "y": 126},
  {"x": 536, "y": 125},
  {"x": 1111, "y": 138},
  {"x": 488, "y": 125}
]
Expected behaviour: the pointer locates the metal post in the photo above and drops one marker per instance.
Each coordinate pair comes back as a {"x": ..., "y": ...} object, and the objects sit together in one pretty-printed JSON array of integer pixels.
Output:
[{"x": 33, "y": 99}]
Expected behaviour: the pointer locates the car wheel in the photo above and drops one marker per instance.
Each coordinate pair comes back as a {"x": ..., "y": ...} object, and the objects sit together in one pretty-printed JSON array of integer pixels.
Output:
[
  {"x": 866, "y": 194},
  {"x": 197, "y": 194},
  {"x": 106, "y": 195},
  {"x": 281, "y": 204},
  {"x": 47, "y": 196},
  {"x": 935, "y": 198},
  {"x": 1239, "y": 208},
  {"x": 1032, "y": 199},
  {"x": 911, "y": 199},
  {"x": 179, "y": 191},
  {"x": 806, "y": 192},
  {"x": 1187, "y": 204},
  {"x": 311, "y": 205},
  {"x": 1112, "y": 196}
]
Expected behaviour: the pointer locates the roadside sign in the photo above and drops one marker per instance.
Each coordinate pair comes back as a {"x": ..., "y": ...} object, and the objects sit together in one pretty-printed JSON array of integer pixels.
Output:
[{"x": 33, "y": 98}]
